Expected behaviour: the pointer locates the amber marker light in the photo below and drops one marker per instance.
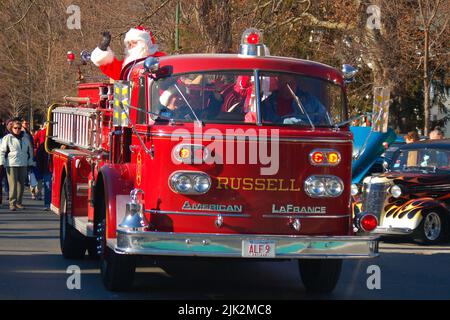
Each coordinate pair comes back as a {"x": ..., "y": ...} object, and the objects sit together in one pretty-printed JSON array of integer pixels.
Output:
[
  {"x": 324, "y": 157},
  {"x": 333, "y": 158},
  {"x": 317, "y": 157},
  {"x": 185, "y": 153}
]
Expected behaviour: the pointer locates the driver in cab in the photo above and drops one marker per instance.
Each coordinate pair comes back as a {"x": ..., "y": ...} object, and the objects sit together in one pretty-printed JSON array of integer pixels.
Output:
[
  {"x": 283, "y": 107},
  {"x": 174, "y": 106}
]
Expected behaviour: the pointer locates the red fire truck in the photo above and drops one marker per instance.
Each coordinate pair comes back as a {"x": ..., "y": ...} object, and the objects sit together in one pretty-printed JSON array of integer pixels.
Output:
[{"x": 209, "y": 156}]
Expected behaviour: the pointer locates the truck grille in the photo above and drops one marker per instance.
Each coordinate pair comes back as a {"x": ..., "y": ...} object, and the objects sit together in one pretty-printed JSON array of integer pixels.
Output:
[{"x": 373, "y": 197}]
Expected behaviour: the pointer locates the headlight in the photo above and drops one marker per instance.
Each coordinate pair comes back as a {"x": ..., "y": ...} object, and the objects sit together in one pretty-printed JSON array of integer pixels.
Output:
[
  {"x": 182, "y": 183},
  {"x": 190, "y": 182},
  {"x": 396, "y": 191},
  {"x": 202, "y": 184},
  {"x": 324, "y": 186},
  {"x": 354, "y": 190}
]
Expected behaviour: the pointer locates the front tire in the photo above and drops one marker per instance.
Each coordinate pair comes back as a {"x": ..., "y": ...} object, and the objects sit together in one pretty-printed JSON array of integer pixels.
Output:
[
  {"x": 72, "y": 242},
  {"x": 320, "y": 275},
  {"x": 433, "y": 228},
  {"x": 117, "y": 270}
]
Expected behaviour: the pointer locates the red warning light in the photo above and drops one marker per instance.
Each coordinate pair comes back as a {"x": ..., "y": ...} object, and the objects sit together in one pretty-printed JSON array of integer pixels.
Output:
[{"x": 253, "y": 38}]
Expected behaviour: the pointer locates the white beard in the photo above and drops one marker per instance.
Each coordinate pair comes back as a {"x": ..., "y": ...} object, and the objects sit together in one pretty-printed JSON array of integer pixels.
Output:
[{"x": 138, "y": 52}]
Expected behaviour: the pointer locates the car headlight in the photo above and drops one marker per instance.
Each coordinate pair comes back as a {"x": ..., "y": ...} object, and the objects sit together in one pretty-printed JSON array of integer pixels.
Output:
[
  {"x": 324, "y": 186},
  {"x": 202, "y": 183},
  {"x": 396, "y": 191},
  {"x": 354, "y": 190},
  {"x": 190, "y": 182}
]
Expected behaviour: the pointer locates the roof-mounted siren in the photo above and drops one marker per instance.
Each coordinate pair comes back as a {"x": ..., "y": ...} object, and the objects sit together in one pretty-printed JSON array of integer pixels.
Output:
[{"x": 252, "y": 43}]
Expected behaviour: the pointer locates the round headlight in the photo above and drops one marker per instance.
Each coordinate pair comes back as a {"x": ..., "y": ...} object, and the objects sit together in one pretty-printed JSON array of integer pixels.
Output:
[
  {"x": 354, "y": 189},
  {"x": 182, "y": 183},
  {"x": 334, "y": 186},
  {"x": 315, "y": 187},
  {"x": 396, "y": 191},
  {"x": 202, "y": 184}
]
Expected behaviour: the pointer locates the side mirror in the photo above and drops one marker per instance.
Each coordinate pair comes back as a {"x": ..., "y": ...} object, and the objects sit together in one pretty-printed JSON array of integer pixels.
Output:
[
  {"x": 153, "y": 69},
  {"x": 85, "y": 56},
  {"x": 151, "y": 65},
  {"x": 349, "y": 73}
]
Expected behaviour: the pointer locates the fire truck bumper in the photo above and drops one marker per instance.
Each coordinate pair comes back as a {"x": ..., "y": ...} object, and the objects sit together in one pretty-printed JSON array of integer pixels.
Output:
[{"x": 244, "y": 246}]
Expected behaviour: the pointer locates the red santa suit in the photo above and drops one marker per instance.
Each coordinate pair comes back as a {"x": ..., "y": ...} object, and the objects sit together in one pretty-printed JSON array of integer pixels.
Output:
[{"x": 112, "y": 67}]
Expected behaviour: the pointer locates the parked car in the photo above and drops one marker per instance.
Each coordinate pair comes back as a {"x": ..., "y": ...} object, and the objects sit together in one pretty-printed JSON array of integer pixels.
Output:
[
  {"x": 413, "y": 197},
  {"x": 378, "y": 166}
]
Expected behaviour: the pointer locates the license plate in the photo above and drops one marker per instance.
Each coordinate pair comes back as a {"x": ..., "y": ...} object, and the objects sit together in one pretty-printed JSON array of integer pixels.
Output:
[{"x": 258, "y": 249}]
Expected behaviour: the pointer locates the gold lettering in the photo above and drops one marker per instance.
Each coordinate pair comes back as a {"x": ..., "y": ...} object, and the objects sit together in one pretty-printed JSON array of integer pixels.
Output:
[
  {"x": 237, "y": 186},
  {"x": 222, "y": 182},
  {"x": 280, "y": 186},
  {"x": 271, "y": 185},
  {"x": 247, "y": 184},
  {"x": 293, "y": 186},
  {"x": 260, "y": 185}
]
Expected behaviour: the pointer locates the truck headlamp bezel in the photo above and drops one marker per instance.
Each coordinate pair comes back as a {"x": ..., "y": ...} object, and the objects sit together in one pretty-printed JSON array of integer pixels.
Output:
[
  {"x": 191, "y": 182},
  {"x": 313, "y": 189}
]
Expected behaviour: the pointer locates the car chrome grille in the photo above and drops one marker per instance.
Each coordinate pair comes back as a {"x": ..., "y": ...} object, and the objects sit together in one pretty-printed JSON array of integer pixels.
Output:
[{"x": 373, "y": 197}]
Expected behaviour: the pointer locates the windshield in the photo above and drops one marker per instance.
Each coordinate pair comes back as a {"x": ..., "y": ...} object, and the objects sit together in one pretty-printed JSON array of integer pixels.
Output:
[
  {"x": 230, "y": 97},
  {"x": 422, "y": 160}
]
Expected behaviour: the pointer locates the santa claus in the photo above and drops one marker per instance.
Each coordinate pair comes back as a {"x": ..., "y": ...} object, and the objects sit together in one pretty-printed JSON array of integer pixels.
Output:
[{"x": 139, "y": 43}]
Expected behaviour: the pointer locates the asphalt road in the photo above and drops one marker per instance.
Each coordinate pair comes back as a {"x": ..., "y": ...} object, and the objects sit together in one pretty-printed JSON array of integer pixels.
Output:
[{"x": 31, "y": 267}]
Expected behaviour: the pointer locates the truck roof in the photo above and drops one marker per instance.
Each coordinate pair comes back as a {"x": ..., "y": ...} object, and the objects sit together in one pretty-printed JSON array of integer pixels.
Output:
[{"x": 212, "y": 62}]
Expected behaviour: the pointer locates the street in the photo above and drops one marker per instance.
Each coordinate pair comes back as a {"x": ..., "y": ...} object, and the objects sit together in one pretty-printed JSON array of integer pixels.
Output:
[{"x": 31, "y": 267}]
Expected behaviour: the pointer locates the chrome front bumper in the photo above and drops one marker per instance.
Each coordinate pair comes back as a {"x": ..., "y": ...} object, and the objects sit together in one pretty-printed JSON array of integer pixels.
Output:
[
  {"x": 392, "y": 231},
  {"x": 230, "y": 245}
]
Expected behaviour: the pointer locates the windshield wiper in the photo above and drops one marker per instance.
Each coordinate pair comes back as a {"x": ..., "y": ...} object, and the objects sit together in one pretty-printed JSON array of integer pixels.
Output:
[
  {"x": 343, "y": 123},
  {"x": 199, "y": 123},
  {"x": 300, "y": 106}
]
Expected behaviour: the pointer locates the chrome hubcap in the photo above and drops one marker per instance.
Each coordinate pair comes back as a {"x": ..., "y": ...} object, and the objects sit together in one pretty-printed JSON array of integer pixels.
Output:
[{"x": 432, "y": 226}]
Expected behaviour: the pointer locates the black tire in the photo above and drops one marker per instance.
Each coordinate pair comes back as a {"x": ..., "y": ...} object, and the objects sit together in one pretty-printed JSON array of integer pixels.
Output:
[
  {"x": 72, "y": 242},
  {"x": 320, "y": 275},
  {"x": 428, "y": 232},
  {"x": 117, "y": 270},
  {"x": 92, "y": 249}
]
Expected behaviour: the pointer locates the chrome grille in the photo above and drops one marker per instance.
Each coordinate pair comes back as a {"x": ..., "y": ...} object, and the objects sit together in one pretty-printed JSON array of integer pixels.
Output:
[{"x": 373, "y": 197}]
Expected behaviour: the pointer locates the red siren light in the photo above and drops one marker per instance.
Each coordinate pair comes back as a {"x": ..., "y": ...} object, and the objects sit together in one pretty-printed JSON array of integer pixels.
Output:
[
  {"x": 253, "y": 38},
  {"x": 70, "y": 56}
]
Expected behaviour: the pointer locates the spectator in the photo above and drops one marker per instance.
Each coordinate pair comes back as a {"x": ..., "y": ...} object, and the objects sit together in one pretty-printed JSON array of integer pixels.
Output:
[
  {"x": 437, "y": 134},
  {"x": 44, "y": 166},
  {"x": 16, "y": 154},
  {"x": 412, "y": 136}
]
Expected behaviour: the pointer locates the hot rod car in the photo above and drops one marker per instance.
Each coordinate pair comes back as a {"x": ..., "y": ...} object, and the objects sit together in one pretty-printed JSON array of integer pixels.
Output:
[{"x": 412, "y": 197}]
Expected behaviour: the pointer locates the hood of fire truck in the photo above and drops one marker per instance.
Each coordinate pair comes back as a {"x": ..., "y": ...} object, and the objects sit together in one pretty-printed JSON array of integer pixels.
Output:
[{"x": 241, "y": 199}]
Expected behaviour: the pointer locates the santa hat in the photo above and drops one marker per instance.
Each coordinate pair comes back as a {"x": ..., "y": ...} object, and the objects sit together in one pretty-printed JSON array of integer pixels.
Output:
[
  {"x": 141, "y": 34},
  {"x": 165, "y": 96}
]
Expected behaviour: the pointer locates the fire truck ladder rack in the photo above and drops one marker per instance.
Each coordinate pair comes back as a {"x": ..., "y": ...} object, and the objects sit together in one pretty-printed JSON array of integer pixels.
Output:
[{"x": 76, "y": 127}]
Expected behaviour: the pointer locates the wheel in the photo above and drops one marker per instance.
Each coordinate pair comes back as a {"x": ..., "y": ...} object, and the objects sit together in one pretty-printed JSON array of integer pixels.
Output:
[
  {"x": 92, "y": 249},
  {"x": 72, "y": 242},
  {"x": 320, "y": 275},
  {"x": 117, "y": 270},
  {"x": 433, "y": 228}
]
